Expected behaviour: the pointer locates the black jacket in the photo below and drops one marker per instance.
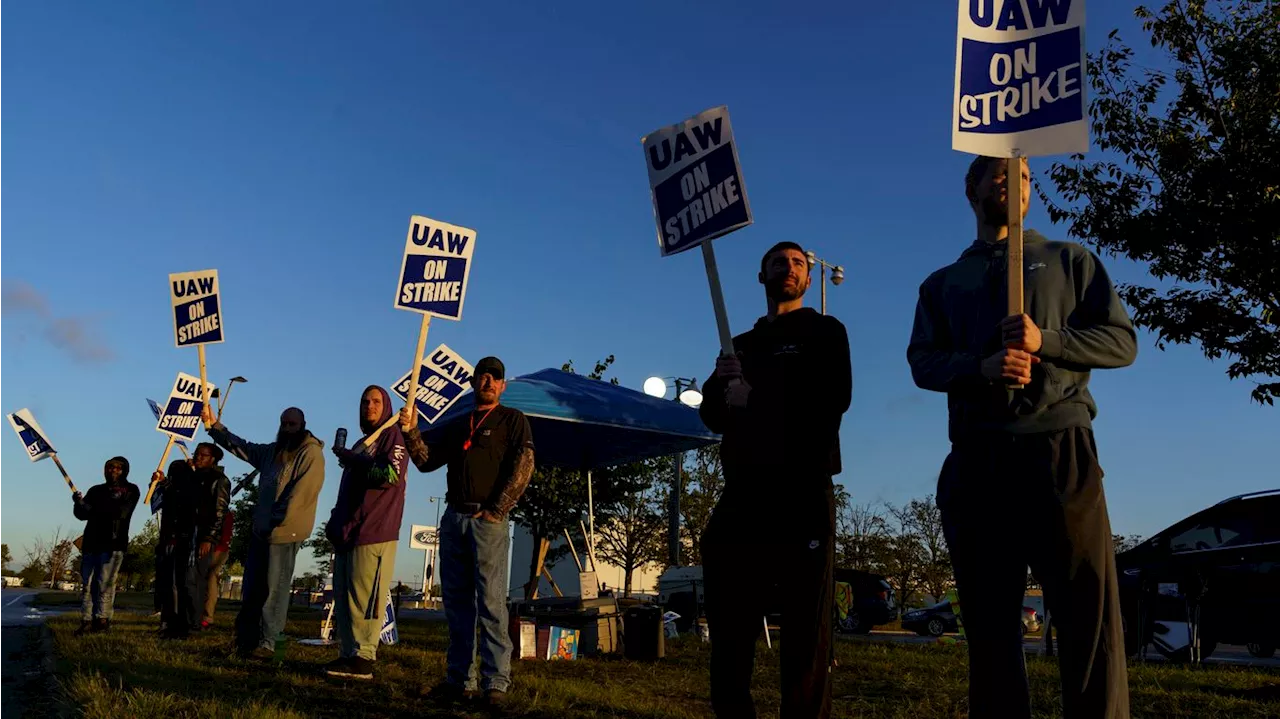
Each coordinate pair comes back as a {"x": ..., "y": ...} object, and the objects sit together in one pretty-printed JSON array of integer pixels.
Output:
[
  {"x": 801, "y": 383},
  {"x": 195, "y": 501},
  {"x": 107, "y": 510}
]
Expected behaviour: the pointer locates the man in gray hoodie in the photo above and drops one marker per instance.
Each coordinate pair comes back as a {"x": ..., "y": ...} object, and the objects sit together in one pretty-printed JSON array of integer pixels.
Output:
[
  {"x": 1022, "y": 485},
  {"x": 291, "y": 475}
]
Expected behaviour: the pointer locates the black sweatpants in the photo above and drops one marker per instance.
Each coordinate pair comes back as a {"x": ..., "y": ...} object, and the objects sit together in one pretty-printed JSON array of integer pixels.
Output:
[
  {"x": 183, "y": 576},
  {"x": 751, "y": 558},
  {"x": 1013, "y": 501}
]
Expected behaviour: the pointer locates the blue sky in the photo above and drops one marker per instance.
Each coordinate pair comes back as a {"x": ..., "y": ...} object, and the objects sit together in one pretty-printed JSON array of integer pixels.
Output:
[{"x": 287, "y": 144}]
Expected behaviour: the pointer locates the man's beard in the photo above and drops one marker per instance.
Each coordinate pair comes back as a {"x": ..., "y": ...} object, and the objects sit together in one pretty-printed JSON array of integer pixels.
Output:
[
  {"x": 290, "y": 441},
  {"x": 995, "y": 212},
  {"x": 778, "y": 290}
]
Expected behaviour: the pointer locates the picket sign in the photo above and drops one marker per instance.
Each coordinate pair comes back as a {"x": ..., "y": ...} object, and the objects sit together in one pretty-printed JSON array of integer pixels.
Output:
[
  {"x": 695, "y": 181},
  {"x": 33, "y": 440},
  {"x": 433, "y": 282},
  {"x": 197, "y": 315},
  {"x": 179, "y": 418}
]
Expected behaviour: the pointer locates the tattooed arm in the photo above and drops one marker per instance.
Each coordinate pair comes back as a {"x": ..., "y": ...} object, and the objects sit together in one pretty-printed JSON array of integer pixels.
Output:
[
  {"x": 515, "y": 486},
  {"x": 507, "y": 493}
]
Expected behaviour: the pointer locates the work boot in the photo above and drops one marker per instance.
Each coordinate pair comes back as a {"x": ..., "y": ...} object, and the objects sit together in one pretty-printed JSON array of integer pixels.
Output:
[
  {"x": 495, "y": 698},
  {"x": 84, "y": 628},
  {"x": 448, "y": 693},
  {"x": 100, "y": 625}
]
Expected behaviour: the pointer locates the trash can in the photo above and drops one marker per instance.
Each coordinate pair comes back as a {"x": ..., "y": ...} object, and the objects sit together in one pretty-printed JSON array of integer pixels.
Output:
[{"x": 642, "y": 638}]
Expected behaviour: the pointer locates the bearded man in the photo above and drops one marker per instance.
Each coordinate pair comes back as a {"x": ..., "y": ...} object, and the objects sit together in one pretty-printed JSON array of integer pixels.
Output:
[
  {"x": 778, "y": 405},
  {"x": 291, "y": 473}
]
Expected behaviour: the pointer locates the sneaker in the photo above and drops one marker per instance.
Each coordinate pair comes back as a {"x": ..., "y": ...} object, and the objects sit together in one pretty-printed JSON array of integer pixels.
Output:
[
  {"x": 353, "y": 668},
  {"x": 495, "y": 697},
  {"x": 84, "y": 628}
]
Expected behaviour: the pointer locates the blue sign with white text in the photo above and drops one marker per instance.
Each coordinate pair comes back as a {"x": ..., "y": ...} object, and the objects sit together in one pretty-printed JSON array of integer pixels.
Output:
[
  {"x": 442, "y": 378},
  {"x": 437, "y": 263},
  {"x": 1020, "y": 78},
  {"x": 197, "y": 315},
  {"x": 696, "y": 181}
]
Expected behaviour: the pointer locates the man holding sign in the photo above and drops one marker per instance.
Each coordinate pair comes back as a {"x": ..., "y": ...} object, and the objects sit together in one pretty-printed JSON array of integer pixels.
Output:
[
  {"x": 489, "y": 454},
  {"x": 292, "y": 473},
  {"x": 106, "y": 512},
  {"x": 1034, "y": 443},
  {"x": 778, "y": 403}
]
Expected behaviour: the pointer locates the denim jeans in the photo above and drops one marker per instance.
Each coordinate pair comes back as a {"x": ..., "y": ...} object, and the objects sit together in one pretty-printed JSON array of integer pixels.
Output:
[
  {"x": 268, "y": 574},
  {"x": 98, "y": 575},
  {"x": 473, "y": 581}
]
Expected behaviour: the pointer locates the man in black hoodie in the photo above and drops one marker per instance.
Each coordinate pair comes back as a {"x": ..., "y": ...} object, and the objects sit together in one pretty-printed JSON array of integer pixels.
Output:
[
  {"x": 106, "y": 511},
  {"x": 196, "y": 495},
  {"x": 778, "y": 405},
  {"x": 1022, "y": 485}
]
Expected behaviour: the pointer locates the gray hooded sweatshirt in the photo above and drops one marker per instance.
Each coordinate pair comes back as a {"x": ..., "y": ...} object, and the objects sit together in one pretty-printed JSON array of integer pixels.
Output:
[
  {"x": 288, "y": 486},
  {"x": 1069, "y": 297}
]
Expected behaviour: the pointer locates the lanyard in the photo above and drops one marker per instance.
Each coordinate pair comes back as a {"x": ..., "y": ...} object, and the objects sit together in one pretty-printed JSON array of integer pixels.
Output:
[{"x": 467, "y": 444}]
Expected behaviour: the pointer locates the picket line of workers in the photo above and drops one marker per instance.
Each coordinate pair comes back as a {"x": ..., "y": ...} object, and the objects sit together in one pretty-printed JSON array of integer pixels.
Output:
[{"x": 1020, "y": 424}]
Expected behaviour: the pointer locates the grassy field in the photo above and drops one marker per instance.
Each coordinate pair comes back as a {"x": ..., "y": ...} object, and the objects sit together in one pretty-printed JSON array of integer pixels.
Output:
[{"x": 129, "y": 673}]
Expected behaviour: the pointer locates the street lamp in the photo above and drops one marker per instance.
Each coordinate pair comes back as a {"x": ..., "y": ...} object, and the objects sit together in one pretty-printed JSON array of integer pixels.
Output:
[
  {"x": 686, "y": 389},
  {"x": 837, "y": 274},
  {"x": 687, "y": 394}
]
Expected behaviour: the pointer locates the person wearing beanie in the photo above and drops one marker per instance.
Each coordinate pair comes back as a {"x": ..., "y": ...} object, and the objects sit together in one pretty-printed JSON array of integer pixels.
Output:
[
  {"x": 291, "y": 474},
  {"x": 106, "y": 510},
  {"x": 364, "y": 528}
]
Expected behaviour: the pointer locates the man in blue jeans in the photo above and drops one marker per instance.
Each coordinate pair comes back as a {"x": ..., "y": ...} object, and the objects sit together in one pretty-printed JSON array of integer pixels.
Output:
[
  {"x": 292, "y": 473},
  {"x": 106, "y": 511},
  {"x": 490, "y": 458}
]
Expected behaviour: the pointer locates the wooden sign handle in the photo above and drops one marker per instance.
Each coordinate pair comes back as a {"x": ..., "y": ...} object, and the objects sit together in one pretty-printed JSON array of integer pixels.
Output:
[
  {"x": 413, "y": 387},
  {"x": 163, "y": 458},
  {"x": 204, "y": 380},
  {"x": 1013, "y": 243},
  {"x": 65, "y": 476},
  {"x": 717, "y": 304}
]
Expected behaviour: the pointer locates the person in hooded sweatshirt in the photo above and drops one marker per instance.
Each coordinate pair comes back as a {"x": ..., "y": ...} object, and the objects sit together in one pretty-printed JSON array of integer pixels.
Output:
[
  {"x": 778, "y": 405},
  {"x": 1020, "y": 424},
  {"x": 106, "y": 511},
  {"x": 364, "y": 528},
  {"x": 196, "y": 495},
  {"x": 291, "y": 474}
]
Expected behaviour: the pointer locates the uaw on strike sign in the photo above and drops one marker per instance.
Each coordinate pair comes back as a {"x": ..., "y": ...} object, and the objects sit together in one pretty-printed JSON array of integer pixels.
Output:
[
  {"x": 696, "y": 181},
  {"x": 197, "y": 311},
  {"x": 437, "y": 262},
  {"x": 180, "y": 417},
  {"x": 442, "y": 380},
  {"x": 1020, "y": 78}
]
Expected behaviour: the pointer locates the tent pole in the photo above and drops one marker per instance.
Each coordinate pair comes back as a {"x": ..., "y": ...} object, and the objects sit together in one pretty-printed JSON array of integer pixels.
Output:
[{"x": 591, "y": 522}]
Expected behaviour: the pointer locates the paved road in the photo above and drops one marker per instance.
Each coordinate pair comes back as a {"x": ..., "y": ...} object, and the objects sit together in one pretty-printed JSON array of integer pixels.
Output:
[
  {"x": 1224, "y": 654},
  {"x": 26, "y": 685}
]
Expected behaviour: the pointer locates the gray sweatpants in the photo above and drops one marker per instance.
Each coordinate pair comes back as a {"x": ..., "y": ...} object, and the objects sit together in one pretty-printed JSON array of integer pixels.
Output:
[
  {"x": 1055, "y": 522},
  {"x": 98, "y": 573},
  {"x": 361, "y": 582}
]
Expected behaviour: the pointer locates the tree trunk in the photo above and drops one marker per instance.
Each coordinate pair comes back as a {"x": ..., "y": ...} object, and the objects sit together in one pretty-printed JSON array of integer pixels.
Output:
[{"x": 626, "y": 583}]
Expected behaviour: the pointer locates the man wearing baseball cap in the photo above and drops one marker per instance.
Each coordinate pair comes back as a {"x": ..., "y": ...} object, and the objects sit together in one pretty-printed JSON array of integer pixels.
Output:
[{"x": 489, "y": 455}]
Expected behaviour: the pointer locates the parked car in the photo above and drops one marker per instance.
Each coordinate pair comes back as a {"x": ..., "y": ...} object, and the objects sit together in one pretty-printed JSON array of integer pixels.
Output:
[
  {"x": 863, "y": 600},
  {"x": 1223, "y": 560},
  {"x": 940, "y": 619}
]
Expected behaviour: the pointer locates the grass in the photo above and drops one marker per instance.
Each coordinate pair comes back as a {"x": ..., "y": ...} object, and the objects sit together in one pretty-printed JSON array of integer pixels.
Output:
[
  {"x": 124, "y": 600},
  {"x": 129, "y": 673}
]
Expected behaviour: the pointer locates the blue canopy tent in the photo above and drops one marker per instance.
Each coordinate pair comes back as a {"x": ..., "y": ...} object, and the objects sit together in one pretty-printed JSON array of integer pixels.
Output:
[{"x": 582, "y": 423}]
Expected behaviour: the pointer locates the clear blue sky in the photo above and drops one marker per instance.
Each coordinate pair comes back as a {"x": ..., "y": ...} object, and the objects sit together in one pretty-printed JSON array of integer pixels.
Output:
[{"x": 287, "y": 144}]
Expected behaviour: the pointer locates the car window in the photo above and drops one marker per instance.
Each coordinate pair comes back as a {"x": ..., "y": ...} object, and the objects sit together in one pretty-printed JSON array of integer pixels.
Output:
[{"x": 1233, "y": 525}]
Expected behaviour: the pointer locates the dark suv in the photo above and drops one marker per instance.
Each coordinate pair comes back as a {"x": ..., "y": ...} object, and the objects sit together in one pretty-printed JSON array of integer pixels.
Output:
[{"x": 1222, "y": 563}]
